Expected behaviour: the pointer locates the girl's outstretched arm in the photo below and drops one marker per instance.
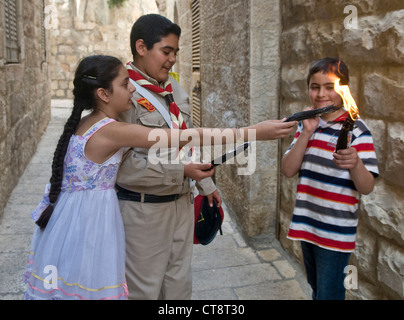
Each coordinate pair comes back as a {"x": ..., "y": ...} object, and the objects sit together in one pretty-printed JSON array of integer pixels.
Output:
[
  {"x": 106, "y": 141},
  {"x": 132, "y": 135}
]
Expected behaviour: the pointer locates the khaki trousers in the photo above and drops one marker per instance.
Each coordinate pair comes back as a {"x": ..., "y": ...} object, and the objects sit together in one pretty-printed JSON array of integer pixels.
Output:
[{"x": 159, "y": 240}]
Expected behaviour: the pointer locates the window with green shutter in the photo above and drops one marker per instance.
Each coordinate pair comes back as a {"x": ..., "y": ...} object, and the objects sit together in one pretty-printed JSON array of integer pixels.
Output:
[
  {"x": 196, "y": 65},
  {"x": 11, "y": 30}
]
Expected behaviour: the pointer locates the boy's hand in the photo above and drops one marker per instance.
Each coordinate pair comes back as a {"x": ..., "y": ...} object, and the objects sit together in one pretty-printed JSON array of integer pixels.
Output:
[
  {"x": 197, "y": 171},
  {"x": 215, "y": 196},
  {"x": 346, "y": 158},
  {"x": 310, "y": 125}
]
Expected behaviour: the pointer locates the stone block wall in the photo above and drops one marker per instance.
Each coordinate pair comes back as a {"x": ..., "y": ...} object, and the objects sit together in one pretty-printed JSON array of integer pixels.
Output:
[
  {"x": 374, "y": 53},
  {"x": 86, "y": 29},
  {"x": 225, "y": 90},
  {"x": 240, "y": 72},
  {"x": 24, "y": 97},
  {"x": 255, "y": 58}
]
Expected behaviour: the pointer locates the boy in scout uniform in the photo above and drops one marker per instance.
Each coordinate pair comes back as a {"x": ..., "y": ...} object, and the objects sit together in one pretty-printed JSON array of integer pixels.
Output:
[{"x": 156, "y": 197}]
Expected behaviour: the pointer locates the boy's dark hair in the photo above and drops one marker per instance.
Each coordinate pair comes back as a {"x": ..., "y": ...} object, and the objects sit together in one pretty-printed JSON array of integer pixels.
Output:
[
  {"x": 330, "y": 65},
  {"x": 151, "y": 28},
  {"x": 93, "y": 72}
]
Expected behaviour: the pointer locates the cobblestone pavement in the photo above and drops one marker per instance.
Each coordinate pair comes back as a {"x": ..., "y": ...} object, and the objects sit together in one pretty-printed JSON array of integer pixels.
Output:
[{"x": 226, "y": 269}]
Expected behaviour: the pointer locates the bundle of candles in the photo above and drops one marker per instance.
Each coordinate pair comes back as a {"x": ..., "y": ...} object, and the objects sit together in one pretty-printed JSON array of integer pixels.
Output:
[
  {"x": 303, "y": 115},
  {"x": 348, "y": 103}
]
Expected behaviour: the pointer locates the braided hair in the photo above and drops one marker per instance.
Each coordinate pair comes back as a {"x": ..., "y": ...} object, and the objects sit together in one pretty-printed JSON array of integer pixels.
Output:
[{"x": 93, "y": 72}]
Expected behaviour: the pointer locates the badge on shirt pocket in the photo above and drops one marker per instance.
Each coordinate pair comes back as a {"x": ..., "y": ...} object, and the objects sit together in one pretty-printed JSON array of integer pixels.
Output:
[{"x": 145, "y": 103}]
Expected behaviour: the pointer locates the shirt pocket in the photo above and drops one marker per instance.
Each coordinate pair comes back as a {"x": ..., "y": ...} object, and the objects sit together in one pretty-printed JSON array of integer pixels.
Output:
[
  {"x": 152, "y": 119},
  {"x": 160, "y": 153}
]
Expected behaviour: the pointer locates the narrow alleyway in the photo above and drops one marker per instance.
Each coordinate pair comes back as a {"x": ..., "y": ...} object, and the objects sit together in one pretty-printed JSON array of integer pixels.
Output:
[{"x": 226, "y": 269}]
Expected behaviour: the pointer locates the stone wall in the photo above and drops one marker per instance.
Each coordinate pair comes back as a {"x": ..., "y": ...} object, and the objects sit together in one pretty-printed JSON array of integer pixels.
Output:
[
  {"x": 24, "y": 97},
  {"x": 178, "y": 11},
  {"x": 374, "y": 53},
  {"x": 255, "y": 58},
  {"x": 240, "y": 71},
  {"x": 225, "y": 90},
  {"x": 90, "y": 27}
]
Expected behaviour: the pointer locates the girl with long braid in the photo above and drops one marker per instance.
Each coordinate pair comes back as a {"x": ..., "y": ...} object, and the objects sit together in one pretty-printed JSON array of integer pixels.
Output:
[{"x": 78, "y": 248}]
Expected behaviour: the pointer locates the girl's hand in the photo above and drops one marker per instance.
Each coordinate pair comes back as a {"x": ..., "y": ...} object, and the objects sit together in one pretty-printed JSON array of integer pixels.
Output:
[{"x": 273, "y": 129}]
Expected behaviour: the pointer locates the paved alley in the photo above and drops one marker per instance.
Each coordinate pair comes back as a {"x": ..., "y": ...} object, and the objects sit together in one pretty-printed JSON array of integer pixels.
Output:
[{"x": 226, "y": 269}]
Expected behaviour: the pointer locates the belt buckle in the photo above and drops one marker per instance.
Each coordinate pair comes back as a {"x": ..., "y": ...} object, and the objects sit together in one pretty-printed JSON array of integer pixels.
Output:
[{"x": 192, "y": 197}]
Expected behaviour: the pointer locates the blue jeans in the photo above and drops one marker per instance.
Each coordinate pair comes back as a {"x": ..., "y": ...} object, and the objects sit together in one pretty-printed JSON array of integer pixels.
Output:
[{"x": 325, "y": 271}]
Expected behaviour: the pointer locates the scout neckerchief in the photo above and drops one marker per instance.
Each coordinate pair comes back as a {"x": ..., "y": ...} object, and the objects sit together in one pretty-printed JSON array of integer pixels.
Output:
[{"x": 166, "y": 92}]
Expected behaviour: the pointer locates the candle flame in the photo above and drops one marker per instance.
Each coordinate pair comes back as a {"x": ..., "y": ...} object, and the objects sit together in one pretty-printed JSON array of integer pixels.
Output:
[{"x": 349, "y": 102}]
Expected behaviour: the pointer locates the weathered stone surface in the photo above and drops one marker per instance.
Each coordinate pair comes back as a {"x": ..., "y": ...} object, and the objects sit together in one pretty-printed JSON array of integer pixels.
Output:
[
  {"x": 24, "y": 98},
  {"x": 241, "y": 85},
  {"x": 379, "y": 37},
  {"x": 272, "y": 291},
  {"x": 365, "y": 255},
  {"x": 390, "y": 268},
  {"x": 395, "y": 154},
  {"x": 381, "y": 91},
  {"x": 384, "y": 210},
  {"x": 260, "y": 71},
  {"x": 294, "y": 86},
  {"x": 374, "y": 55},
  {"x": 239, "y": 276},
  {"x": 93, "y": 28}
]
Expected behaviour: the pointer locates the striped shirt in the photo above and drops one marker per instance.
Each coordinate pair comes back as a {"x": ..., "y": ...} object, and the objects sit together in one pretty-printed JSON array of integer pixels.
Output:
[{"x": 326, "y": 209}]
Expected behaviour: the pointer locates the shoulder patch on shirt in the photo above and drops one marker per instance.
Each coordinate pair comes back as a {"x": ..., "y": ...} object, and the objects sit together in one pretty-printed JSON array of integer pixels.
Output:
[{"x": 145, "y": 103}]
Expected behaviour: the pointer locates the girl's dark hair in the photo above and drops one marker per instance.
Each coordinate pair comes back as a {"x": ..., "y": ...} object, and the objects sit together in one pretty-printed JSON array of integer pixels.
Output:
[
  {"x": 151, "y": 28},
  {"x": 93, "y": 72},
  {"x": 330, "y": 65}
]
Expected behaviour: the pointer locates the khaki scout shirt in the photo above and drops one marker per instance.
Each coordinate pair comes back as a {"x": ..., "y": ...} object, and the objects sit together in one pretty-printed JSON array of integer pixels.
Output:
[{"x": 136, "y": 172}]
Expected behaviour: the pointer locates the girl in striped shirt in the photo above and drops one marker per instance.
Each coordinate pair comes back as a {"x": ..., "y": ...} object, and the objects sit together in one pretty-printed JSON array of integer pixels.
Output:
[{"x": 325, "y": 217}]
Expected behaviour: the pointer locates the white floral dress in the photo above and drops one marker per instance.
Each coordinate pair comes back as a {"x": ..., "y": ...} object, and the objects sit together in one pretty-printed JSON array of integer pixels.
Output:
[{"x": 81, "y": 252}]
